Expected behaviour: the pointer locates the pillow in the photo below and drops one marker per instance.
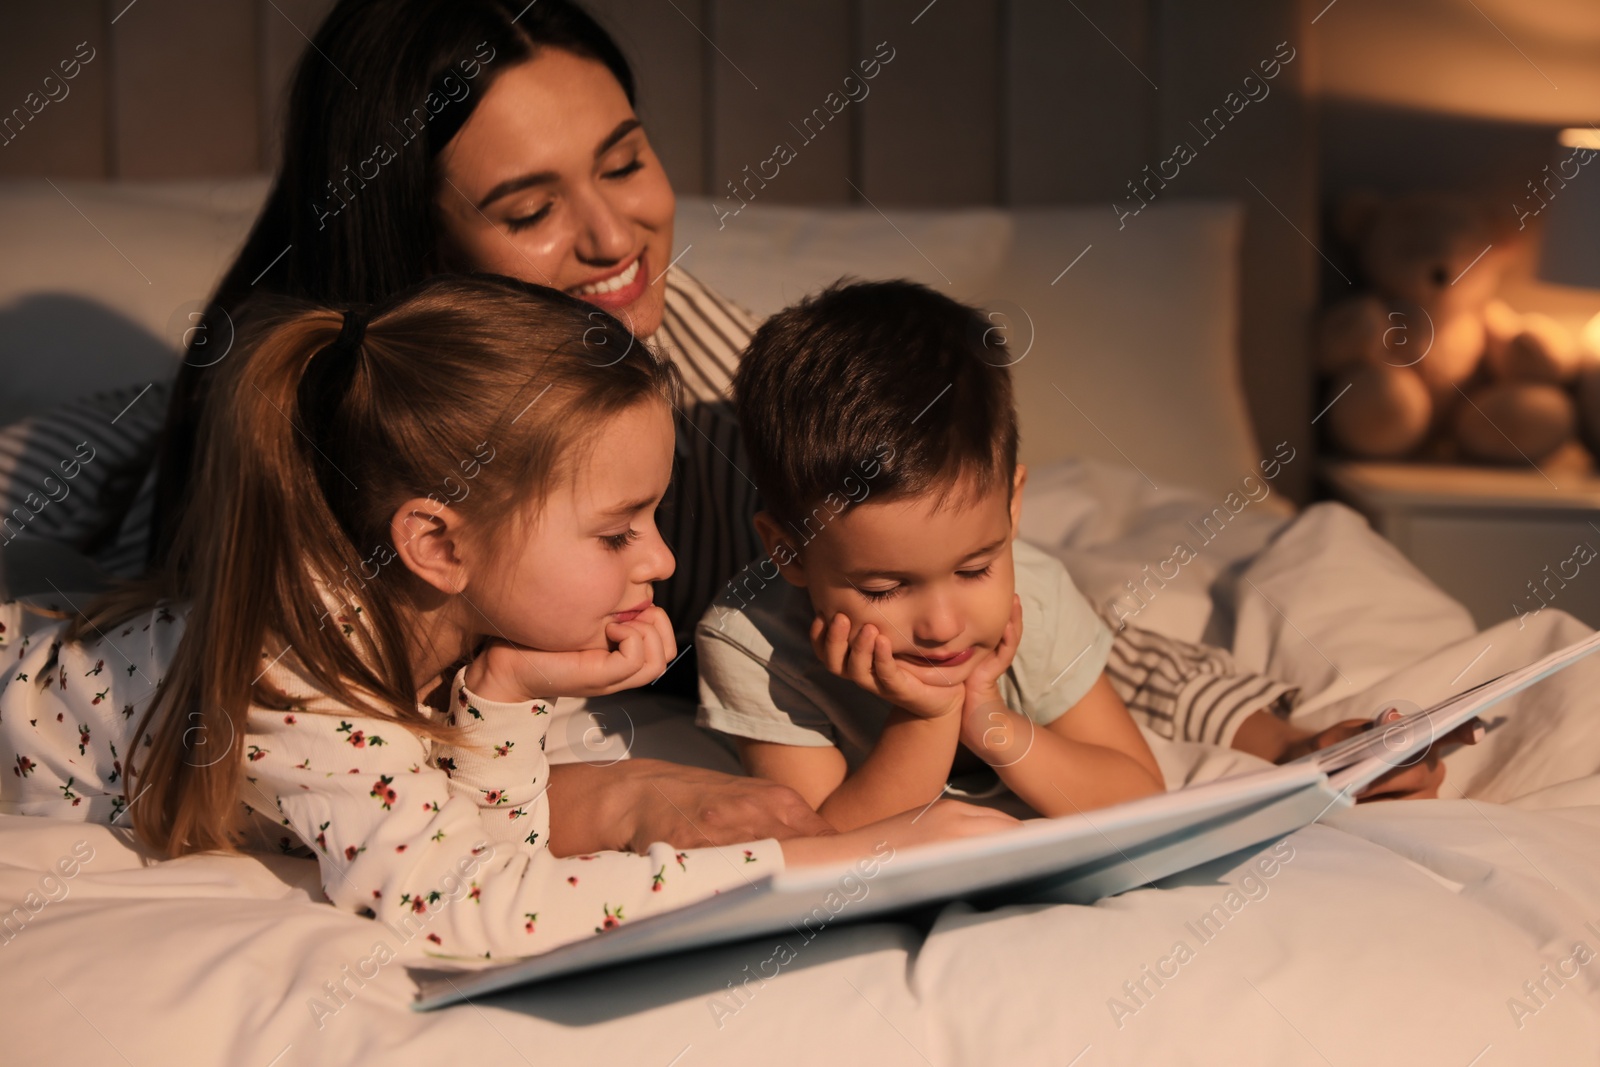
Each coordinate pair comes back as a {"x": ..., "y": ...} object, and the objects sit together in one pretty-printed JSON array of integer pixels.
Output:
[
  {"x": 100, "y": 277},
  {"x": 1125, "y": 341},
  {"x": 1129, "y": 356}
]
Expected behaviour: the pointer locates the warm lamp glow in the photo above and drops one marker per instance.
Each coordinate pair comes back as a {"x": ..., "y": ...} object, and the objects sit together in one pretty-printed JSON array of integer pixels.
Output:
[
  {"x": 1590, "y": 338},
  {"x": 1580, "y": 137}
]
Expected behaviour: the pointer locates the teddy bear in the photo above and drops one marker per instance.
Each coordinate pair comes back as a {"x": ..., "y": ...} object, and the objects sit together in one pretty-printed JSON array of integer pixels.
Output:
[{"x": 1424, "y": 362}]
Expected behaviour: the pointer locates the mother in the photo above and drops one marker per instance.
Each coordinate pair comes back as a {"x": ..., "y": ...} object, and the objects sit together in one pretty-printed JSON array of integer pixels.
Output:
[{"x": 432, "y": 135}]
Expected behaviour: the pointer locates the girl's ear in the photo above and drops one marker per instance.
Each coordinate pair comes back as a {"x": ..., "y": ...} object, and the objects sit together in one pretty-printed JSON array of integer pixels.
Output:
[
  {"x": 427, "y": 536},
  {"x": 1018, "y": 480},
  {"x": 780, "y": 550}
]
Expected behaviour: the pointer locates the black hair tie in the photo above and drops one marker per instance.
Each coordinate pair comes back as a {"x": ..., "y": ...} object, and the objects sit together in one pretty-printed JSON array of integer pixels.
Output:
[
  {"x": 330, "y": 371},
  {"x": 338, "y": 359},
  {"x": 352, "y": 331}
]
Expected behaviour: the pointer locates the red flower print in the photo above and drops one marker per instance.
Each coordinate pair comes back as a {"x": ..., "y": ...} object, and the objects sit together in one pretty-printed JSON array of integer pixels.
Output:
[
  {"x": 256, "y": 753},
  {"x": 358, "y": 738},
  {"x": 749, "y": 857},
  {"x": 83, "y": 738},
  {"x": 435, "y": 939},
  {"x": 680, "y": 857},
  {"x": 572, "y": 881},
  {"x": 612, "y": 920},
  {"x": 658, "y": 878},
  {"x": 540, "y": 709},
  {"x": 24, "y": 767},
  {"x": 399, "y": 848},
  {"x": 350, "y": 853},
  {"x": 98, "y": 697},
  {"x": 99, "y": 665},
  {"x": 494, "y": 796},
  {"x": 383, "y": 793},
  {"x": 503, "y": 750},
  {"x": 475, "y": 893},
  {"x": 447, "y": 764},
  {"x": 290, "y": 719},
  {"x": 532, "y": 917},
  {"x": 461, "y": 696}
]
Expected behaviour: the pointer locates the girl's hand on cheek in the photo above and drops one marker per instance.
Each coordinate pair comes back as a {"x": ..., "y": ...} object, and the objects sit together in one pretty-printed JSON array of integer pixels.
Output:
[
  {"x": 643, "y": 648},
  {"x": 639, "y": 652},
  {"x": 867, "y": 659}
]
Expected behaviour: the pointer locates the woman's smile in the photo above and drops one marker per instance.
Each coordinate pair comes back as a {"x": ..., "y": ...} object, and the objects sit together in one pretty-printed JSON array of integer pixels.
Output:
[{"x": 617, "y": 289}]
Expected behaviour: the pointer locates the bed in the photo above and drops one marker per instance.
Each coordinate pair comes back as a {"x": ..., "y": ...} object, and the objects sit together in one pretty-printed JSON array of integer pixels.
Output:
[{"x": 1458, "y": 931}]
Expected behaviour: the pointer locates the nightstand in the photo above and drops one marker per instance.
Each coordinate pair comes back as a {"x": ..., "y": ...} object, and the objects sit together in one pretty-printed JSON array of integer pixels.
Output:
[{"x": 1501, "y": 541}]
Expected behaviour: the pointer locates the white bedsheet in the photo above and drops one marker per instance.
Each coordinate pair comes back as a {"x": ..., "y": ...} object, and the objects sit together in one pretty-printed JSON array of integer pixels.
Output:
[{"x": 1396, "y": 933}]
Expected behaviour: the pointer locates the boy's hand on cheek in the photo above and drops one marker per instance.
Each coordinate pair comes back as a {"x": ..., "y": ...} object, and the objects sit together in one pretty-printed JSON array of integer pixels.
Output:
[
  {"x": 867, "y": 659},
  {"x": 982, "y": 688},
  {"x": 637, "y": 653}
]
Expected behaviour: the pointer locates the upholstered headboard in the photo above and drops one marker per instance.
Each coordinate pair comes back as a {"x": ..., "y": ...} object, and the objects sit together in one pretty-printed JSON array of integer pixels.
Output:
[{"x": 1014, "y": 102}]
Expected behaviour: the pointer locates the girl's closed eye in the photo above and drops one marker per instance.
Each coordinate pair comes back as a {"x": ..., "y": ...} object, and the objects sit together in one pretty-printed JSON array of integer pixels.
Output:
[
  {"x": 981, "y": 572},
  {"x": 879, "y": 595},
  {"x": 617, "y": 542}
]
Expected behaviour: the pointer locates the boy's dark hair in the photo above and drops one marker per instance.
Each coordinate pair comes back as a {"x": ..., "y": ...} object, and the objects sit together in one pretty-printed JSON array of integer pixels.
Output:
[{"x": 886, "y": 389}]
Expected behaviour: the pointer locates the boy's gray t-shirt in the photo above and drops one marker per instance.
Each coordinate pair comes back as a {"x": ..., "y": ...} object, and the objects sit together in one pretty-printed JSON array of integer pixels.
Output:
[{"x": 760, "y": 679}]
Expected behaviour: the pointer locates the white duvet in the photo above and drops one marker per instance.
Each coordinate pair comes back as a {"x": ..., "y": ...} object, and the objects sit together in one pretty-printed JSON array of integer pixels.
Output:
[{"x": 1457, "y": 932}]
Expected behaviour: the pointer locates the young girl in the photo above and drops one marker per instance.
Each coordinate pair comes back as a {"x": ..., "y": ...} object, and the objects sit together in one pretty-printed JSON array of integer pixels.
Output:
[{"x": 414, "y": 531}]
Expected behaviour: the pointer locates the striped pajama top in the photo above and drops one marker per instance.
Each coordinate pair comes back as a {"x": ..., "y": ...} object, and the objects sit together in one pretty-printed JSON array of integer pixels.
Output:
[{"x": 69, "y": 475}]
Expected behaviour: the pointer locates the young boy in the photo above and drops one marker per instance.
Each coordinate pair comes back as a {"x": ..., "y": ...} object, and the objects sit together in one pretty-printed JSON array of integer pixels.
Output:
[{"x": 910, "y": 636}]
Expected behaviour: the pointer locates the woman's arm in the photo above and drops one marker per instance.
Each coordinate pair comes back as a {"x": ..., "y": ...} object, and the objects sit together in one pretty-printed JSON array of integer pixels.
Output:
[
  {"x": 1270, "y": 737},
  {"x": 632, "y": 804}
]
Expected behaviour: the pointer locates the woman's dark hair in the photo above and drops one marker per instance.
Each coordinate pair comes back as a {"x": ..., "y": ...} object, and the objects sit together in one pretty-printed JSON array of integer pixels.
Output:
[{"x": 350, "y": 218}]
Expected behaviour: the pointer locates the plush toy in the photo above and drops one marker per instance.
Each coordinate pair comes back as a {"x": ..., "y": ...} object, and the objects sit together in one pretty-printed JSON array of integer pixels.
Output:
[{"x": 1424, "y": 362}]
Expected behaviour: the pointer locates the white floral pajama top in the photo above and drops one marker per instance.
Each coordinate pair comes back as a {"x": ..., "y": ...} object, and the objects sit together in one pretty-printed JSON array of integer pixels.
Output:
[{"x": 444, "y": 843}]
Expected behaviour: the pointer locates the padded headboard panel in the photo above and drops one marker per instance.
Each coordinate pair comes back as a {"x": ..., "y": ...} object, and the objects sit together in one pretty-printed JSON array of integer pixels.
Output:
[{"x": 1015, "y": 102}]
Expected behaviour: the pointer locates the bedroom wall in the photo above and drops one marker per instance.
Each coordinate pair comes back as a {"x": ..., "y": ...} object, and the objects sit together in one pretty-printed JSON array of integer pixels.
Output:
[{"x": 1013, "y": 102}]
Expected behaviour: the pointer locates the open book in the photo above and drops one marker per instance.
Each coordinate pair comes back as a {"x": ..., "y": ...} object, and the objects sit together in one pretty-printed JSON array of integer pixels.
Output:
[{"x": 1074, "y": 859}]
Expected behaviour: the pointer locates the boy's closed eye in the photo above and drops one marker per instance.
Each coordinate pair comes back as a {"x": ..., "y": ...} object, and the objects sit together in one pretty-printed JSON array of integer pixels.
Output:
[{"x": 880, "y": 593}]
